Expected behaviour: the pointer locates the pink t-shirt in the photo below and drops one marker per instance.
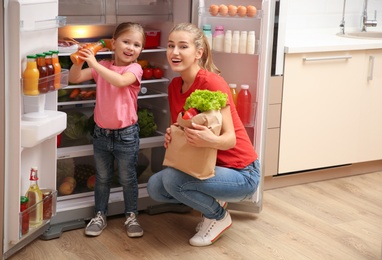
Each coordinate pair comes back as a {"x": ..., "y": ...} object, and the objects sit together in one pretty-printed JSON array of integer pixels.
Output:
[
  {"x": 243, "y": 153},
  {"x": 117, "y": 107}
]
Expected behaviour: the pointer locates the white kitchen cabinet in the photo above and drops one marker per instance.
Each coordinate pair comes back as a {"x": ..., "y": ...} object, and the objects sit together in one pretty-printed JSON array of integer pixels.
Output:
[
  {"x": 320, "y": 110},
  {"x": 370, "y": 108}
]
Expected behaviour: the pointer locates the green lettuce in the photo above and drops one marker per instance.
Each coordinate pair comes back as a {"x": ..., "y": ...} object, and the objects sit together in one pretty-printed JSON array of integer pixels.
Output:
[{"x": 206, "y": 100}]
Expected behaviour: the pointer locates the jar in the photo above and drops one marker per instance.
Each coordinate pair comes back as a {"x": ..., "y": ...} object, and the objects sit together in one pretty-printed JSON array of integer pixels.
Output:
[
  {"x": 25, "y": 215},
  {"x": 47, "y": 203}
]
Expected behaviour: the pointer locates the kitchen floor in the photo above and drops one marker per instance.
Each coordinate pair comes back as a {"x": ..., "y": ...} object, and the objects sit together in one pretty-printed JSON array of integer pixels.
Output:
[{"x": 333, "y": 219}]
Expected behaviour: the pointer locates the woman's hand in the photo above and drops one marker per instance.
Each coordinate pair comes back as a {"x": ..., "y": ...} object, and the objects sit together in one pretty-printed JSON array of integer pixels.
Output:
[
  {"x": 200, "y": 136},
  {"x": 167, "y": 137}
]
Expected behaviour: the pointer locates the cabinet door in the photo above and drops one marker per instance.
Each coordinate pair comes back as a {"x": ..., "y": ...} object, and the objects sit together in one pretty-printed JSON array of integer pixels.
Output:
[
  {"x": 319, "y": 114},
  {"x": 370, "y": 105}
]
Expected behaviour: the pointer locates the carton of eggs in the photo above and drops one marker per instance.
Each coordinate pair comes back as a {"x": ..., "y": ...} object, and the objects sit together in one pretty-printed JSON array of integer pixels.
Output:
[{"x": 233, "y": 10}]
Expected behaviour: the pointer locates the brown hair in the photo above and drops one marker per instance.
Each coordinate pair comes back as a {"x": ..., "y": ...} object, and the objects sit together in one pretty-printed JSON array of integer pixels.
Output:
[
  {"x": 129, "y": 26},
  {"x": 200, "y": 41}
]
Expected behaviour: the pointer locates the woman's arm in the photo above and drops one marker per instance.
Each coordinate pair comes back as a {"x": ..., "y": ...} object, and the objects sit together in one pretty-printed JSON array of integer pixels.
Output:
[{"x": 201, "y": 136}]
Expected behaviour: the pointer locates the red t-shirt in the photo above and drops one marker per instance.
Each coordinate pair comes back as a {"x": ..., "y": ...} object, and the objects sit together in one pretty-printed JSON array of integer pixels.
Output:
[{"x": 243, "y": 153}]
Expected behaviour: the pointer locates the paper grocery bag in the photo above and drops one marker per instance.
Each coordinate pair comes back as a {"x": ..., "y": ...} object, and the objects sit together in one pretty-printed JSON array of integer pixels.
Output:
[{"x": 196, "y": 161}]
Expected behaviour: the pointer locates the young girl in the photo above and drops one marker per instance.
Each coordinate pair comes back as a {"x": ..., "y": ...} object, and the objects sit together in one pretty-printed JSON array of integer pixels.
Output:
[
  {"x": 237, "y": 170},
  {"x": 116, "y": 134}
]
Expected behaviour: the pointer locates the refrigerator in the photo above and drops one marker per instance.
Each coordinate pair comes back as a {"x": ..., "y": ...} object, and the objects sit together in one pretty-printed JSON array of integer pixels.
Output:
[{"x": 34, "y": 129}]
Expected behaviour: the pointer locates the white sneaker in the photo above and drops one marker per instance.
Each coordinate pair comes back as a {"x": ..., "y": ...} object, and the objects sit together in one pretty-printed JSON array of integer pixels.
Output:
[
  {"x": 223, "y": 204},
  {"x": 211, "y": 230}
]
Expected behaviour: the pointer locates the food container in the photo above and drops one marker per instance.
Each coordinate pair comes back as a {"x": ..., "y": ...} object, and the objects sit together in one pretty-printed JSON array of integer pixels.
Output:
[{"x": 152, "y": 38}]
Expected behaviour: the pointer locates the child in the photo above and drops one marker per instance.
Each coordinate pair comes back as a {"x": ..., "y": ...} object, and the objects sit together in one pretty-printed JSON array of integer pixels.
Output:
[
  {"x": 116, "y": 134},
  {"x": 237, "y": 170}
]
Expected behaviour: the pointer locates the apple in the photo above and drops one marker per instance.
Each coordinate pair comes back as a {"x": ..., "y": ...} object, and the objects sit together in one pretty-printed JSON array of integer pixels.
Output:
[
  {"x": 91, "y": 182},
  {"x": 66, "y": 188},
  {"x": 70, "y": 179}
]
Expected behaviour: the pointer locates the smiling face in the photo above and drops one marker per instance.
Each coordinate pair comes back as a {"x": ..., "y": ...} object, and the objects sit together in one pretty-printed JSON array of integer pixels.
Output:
[
  {"x": 127, "y": 47},
  {"x": 182, "y": 54}
]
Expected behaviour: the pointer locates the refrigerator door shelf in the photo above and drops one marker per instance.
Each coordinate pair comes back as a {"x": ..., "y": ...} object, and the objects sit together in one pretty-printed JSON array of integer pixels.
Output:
[{"x": 34, "y": 132}]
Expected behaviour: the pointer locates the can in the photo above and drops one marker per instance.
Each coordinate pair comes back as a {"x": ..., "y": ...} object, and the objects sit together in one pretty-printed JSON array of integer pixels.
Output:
[
  {"x": 47, "y": 203},
  {"x": 24, "y": 215}
]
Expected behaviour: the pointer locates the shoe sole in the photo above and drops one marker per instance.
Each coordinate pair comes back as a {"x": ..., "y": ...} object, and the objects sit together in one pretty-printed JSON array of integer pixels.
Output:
[{"x": 135, "y": 234}]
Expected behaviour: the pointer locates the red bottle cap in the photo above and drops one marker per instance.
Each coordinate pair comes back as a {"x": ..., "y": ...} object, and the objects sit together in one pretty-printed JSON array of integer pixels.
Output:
[{"x": 33, "y": 176}]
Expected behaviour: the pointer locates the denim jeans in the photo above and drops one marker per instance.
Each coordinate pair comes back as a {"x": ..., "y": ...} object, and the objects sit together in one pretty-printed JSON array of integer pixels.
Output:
[
  {"x": 232, "y": 185},
  {"x": 120, "y": 146}
]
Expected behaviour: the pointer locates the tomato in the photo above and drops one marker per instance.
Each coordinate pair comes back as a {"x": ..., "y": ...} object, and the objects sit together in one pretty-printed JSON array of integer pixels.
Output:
[
  {"x": 147, "y": 73},
  {"x": 158, "y": 73},
  {"x": 190, "y": 113}
]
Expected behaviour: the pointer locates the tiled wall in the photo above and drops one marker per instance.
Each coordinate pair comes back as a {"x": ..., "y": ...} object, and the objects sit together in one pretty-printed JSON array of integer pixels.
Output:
[{"x": 327, "y": 14}]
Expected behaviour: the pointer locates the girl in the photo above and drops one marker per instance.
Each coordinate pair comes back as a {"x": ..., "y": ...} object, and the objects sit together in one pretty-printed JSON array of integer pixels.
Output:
[
  {"x": 116, "y": 134},
  {"x": 237, "y": 170}
]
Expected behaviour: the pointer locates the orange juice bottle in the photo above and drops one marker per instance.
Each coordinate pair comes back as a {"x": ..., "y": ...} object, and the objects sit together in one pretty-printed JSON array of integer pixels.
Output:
[
  {"x": 234, "y": 92},
  {"x": 95, "y": 47},
  {"x": 31, "y": 76},
  {"x": 108, "y": 44},
  {"x": 57, "y": 69}
]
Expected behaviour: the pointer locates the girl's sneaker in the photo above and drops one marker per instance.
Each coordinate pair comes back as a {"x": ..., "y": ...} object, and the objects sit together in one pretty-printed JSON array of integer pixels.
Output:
[
  {"x": 96, "y": 225},
  {"x": 133, "y": 228},
  {"x": 211, "y": 230}
]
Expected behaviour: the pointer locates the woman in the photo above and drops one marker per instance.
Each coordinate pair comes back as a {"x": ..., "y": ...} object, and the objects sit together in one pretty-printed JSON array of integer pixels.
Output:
[{"x": 237, "y": 171}]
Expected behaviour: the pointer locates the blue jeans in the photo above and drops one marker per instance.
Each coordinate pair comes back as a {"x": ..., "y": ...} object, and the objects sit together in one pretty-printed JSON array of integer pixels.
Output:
[
  {"x": 120, "y": 146},
  {"x": 232, "y": 185}
]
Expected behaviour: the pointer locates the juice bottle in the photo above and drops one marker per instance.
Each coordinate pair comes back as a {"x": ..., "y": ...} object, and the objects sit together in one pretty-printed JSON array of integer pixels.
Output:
[
  {"x": 34, "y": 196},
  {"x": 41, "y": 66},
  {"x": 31, "y": 76},
  {"x": 50, "y": 69},
  {"x": 232, "y": 87},
  {"x": 108, "y": 43},
  {"x": 244, "y": 105},
  {"x": 95, "y": 47},
  {"x": 57, "y": 69},
  {"x": 25, "y": 216}
]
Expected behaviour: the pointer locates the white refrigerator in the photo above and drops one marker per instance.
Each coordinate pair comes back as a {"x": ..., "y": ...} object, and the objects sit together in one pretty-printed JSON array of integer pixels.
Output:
[{"x": 31, "y": 124}]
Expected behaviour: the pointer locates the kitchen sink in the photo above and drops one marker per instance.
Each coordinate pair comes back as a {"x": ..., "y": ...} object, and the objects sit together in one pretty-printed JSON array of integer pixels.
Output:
[{"x": 363, "y": 35}]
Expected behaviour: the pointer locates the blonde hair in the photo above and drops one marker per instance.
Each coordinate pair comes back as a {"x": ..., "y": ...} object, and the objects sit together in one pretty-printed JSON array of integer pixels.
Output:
[
  {"x": 128, "y": 27},
  {"x": 200, "y": 41}
]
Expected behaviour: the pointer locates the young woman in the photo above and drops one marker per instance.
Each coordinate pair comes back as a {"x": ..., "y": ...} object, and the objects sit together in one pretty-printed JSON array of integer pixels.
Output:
[
  {"x": 116, "y": 134},
  {"x": 237, "y": 170}
]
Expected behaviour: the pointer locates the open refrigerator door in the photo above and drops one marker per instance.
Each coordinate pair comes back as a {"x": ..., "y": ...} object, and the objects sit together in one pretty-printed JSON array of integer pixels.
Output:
[{"x": 244, "y": 67}]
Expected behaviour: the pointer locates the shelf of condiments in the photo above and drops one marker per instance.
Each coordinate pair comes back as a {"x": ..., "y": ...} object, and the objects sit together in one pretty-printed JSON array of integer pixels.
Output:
[
  {"x": 37, "y": 207},
  {"x": 245, "y": 104},
  {"x": 43, "y": 74},
  {"x": 228, "y": 41}
]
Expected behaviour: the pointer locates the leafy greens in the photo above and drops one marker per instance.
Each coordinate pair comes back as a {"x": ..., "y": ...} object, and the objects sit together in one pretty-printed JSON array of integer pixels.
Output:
[{"x": 206, "y": 100}]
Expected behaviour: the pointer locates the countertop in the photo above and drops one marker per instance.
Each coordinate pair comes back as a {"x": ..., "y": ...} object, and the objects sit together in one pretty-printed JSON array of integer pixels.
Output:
[{"x": 326, "y": 40}]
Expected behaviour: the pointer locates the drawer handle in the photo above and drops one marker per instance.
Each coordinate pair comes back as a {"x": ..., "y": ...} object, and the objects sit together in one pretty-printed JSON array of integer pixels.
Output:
[
  {"x": 328, "y": 58},
  {"x": 371, "y": 68}
]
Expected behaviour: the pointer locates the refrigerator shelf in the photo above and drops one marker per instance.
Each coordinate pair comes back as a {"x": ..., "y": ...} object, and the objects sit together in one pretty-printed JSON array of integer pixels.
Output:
[
  {"x": 158, "y": 49},
  {"x": 86, "y": 150},
  {"x": 59, "y": 21},
  {"x": 49, "y": 204}
]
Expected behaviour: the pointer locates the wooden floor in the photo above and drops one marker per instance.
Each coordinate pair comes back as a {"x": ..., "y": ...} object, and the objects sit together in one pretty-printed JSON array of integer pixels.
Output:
[{"x": 335, "y": 219}]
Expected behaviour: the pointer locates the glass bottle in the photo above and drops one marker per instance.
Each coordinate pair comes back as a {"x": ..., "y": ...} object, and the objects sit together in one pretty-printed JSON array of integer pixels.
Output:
[
  {"x": 24, "y": 215},
  {"x": 30, "y": 77},
  {"x": 41, "y": 66},
  {"x": 244, "y": 105},
  {"x": 57, "y": 69},
  {"x": 50, "y": 69},
  {"x": 207, "y": 32},
  {"x": 232, "y": 87},
  {"x": 34, "y": 196},
  {"x": 94, "y": 47}
]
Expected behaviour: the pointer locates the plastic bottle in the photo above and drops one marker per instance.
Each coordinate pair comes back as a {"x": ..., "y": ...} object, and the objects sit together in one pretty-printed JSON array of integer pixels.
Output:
[
  {"x": 207, "y": 32},
  {"x": 34, "y": 196},
  {"x": 244, "y": 105},
  {"x": 228, "y": 41},
  {"x": 232, "y": 87},
  {"x": 41, "y": 66},
  {"x": 25, "y": 215},
  {"x": 251, "y": 42},
  {"x": 218, "y": 39},
  {"x": 57, "y": 69},
  {"x": 95, "y": 47},
  {"x": 30, "y": 77},
  {"x": 50, "y": 69},
  {"x": 243, "y": 42},
  {"x": 235, "y": 42}
]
